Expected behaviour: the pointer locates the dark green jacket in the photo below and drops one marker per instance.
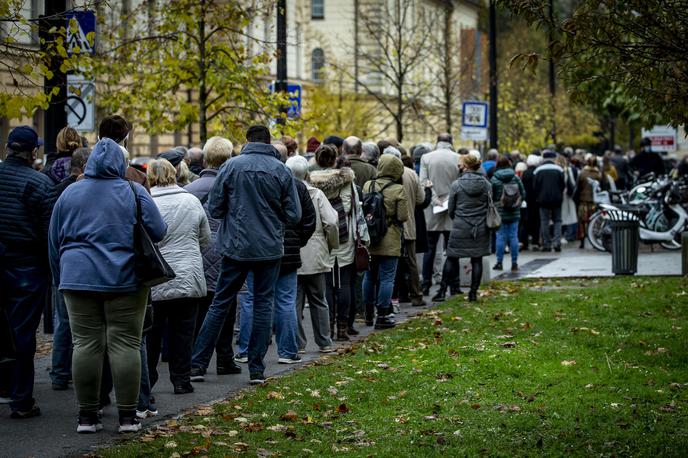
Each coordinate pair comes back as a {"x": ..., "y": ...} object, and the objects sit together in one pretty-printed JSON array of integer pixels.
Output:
[{"x": 500, "y": 177}]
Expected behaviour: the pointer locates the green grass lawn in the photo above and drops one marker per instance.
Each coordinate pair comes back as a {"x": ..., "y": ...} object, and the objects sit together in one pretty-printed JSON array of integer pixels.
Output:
[{"x": 584, "y": 367}]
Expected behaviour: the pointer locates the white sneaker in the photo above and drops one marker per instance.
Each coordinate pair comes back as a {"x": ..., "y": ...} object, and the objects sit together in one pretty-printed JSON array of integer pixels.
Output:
[
  {"x": 302, "y": 351},
  {"x": 4, "y": 400},
  {"x": 241, "y": 359},
  {"x": 89, "y": 426},
  {"x": 142, "y": 414},
  {"x": 327, "y": 349},
  {"x": 132, "y": 426},
  {"x": 292, "y": 360}
]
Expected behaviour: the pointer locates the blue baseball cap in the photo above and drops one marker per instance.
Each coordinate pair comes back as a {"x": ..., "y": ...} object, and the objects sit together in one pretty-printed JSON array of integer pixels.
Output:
[{"x": 23, "y": 138}]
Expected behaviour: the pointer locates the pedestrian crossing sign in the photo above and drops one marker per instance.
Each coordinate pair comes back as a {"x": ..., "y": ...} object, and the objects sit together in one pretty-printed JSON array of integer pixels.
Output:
[{"x": 81, "y": 29}]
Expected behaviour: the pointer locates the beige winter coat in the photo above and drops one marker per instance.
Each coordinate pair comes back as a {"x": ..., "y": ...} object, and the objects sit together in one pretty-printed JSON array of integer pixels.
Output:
[
  {"x": 442, "y": 168},
  {"x": 414, "y": 196}
]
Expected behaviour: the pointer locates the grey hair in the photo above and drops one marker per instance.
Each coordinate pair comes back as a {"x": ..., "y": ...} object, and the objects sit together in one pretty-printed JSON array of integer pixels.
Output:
[
  {"x": 298, "y": 166},
  {"x": 370, "y": 151},
  {"x": 352, "y": 145},
  {"x": 282, "y": 150},
  {"x": 393, "y": 151}
]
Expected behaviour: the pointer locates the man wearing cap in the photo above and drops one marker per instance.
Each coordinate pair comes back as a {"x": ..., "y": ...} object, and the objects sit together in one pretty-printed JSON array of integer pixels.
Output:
[
  {"x": 549, "y": 186},
  {"x": 26, "y": 201}
]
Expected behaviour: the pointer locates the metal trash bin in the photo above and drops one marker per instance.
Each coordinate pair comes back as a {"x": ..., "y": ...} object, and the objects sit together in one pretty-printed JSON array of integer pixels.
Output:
[{"x": 625, "y": 242}]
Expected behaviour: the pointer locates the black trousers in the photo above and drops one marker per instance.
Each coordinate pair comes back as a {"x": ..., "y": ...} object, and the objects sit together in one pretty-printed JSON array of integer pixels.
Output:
[
  {"x": 339, "y": 293},
  {"x": 223, "y": 348},
  {"x": 452, "y": 270},
  {"x": 180, "y": 317}
]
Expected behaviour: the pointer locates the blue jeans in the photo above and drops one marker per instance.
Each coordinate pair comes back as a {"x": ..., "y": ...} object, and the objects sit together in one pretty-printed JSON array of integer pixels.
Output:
[
  {"x": 145, "y": 388},
  {"x": 380, "y": 279},
  {"x": 232, "y": 276},
  {"x": 25, "y": 288},
  {"x": 571, "y": 232},
  {"x": 61, "y": 371},
  {"x": 507, "y": 232},
  {"x": 284, "y": 318}
]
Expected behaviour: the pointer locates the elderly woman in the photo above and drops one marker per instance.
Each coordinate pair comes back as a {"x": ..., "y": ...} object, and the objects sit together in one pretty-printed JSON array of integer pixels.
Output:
[
  {"x": 315, "y": 263},
  {"x": 470, "y": 237},
  {"x": 67, "y": 141},
  {"x": 92, "y": 258},
  {"x": 176, "y": 302}
]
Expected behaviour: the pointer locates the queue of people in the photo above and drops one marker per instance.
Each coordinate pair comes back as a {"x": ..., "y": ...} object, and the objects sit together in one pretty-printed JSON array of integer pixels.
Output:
[{"x": 258, "y": 235}]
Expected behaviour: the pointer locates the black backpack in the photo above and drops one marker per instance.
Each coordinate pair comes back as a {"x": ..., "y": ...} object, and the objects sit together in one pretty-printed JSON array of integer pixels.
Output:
[
  {"x": 375, "y": 213},
  {"x": 511, "y": 196}
]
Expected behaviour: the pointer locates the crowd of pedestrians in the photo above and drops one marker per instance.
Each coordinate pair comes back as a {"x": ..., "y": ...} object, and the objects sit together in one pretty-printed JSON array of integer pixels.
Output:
[{"x": 256, "y": 232}]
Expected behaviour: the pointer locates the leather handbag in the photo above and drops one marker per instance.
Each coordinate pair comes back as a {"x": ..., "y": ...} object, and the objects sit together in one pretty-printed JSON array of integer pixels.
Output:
[
  {"x": 361, "y": 253},
  {"x": 150, "y": 266},
  {"x": 493, "y": 220}
]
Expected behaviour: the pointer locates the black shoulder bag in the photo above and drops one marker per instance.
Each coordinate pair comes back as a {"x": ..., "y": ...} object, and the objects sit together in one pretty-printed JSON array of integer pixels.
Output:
[{"x": 151, "y": 268}]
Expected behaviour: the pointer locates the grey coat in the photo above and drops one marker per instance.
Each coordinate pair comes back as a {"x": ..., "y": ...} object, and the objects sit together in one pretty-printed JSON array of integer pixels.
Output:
[
  {"x": 442, "y": 168},
  {"x": 468, "y": 202}
]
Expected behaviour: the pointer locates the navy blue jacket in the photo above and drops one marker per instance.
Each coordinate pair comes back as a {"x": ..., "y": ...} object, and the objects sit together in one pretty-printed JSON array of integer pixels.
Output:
[
  {"x": 92, "y": 228},
  {"x": 255, "y": 197},
  {"x": 26, "y": 201},
  {"x": 549, "y": 185},
  {"x": 212, "y": 259}
]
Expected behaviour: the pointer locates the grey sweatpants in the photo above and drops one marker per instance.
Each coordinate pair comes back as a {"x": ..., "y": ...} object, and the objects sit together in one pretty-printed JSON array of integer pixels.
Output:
[
  {"x": 112, "y": 323},
  {"x": 313, "y": 288}
]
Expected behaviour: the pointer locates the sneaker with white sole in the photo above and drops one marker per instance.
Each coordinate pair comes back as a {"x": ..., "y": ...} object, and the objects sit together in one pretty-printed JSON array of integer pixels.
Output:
[
  {"x": 142, "y": 414},
  {"x": 256, "y": 378},
  {"x": 326, "y": 349},
  {"x": 241, "y": 359},
  {"x": 89, "y": 424},
  {"x": 129, "y": 425},
  {"x": 197, "y": 374},
  {"x": 294, "y": 359},
  {"x": 4, "y": 400}
]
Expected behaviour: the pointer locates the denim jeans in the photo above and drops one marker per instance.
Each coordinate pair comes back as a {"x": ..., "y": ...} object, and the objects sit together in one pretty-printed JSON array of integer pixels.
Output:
[
  {"x": 223, "y": 349},
  {"x": 379, "y": 281},
  {"x": 507, "y": 233},
  {"x": 61, "y": 371},
  {"x": 232, "y": 276},
  {"x": 145, "y": 387},
  {"x": 547, "y": 215},
  {"x": 284, "y": 316},
  {"x": 429, "y": 256},
  {"x": 25, "y": 288},
  {"x": 571, "y": 232}
]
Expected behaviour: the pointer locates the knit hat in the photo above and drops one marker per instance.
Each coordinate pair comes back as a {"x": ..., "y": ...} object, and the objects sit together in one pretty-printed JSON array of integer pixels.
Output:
[
  {"x": 334, "y": 140},
  {"x": 548, "y": 154},
  {"x": 312, "y": 145}
]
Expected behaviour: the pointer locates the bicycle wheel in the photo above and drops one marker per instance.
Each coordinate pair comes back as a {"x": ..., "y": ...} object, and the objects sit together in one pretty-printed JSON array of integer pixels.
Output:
[{"x": 598, "y": 232}]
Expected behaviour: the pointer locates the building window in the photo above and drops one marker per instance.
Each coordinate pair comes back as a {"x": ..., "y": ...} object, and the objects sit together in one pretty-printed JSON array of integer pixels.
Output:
[
  {"x": 317, "y": 63},
  {"x": 317, "y": 9}
]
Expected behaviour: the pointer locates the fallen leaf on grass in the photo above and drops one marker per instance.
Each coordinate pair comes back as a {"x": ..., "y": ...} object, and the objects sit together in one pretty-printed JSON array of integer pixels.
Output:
[
  {"x": 475, "y": 406},
  {"x": 171, "y": 444},
  {"x": 571, "y": 362},
  {"x": 437, "y": 322},
  {"x": 240, "y": 446},
  {"x": 342, "y": 408},
  {"x": 254, "y": 427},
  {"x": 289, "y": 415},
  {"x": 277, "y": 428},
  {"x": 430, "y": 417},
  {"x": 275, "y": 395},
  {"x": 669, "y": 408},
  {"x": 261, "y": 452},
  {"x": 510, "y": 344}
]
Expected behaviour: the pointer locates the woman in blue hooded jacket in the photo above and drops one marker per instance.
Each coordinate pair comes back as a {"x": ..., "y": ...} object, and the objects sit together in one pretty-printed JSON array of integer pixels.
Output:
[{"x": 91, "y": 248}]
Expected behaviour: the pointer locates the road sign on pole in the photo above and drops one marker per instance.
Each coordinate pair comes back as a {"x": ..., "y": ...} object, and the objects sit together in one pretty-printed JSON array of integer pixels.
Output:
[
  {"x": 77, "y": 37},
  {"x": 474, "y": 116},
  {"x": 81, "y": 103},
  {"x": 294, "y": 91}
]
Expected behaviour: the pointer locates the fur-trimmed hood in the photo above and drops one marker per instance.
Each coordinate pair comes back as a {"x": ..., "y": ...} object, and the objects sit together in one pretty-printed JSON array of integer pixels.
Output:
[{"x": 331, "y": 181}]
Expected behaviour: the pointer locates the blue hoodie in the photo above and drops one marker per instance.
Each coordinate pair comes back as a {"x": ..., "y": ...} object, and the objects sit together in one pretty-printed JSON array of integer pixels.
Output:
[{"x": 91, "y": 239}]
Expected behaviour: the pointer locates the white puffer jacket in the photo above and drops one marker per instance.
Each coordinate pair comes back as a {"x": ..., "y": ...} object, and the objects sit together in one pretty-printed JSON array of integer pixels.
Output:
[
  {"x": 315, "y": 256},
  {"x": 187, "y": 233}
]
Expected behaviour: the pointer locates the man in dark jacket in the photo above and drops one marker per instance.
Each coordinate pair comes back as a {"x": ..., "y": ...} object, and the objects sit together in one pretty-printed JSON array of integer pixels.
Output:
[
  {"x": 26, "y": 201},
  {"x": 216, "y": 152},
  {"x": 254, "y": 196},
  {"x": 549, "y": 185},
  {"x": 353, "y": 148},
  {"x": 285, "y": 321},
  {"x": 647, "y": 161}
]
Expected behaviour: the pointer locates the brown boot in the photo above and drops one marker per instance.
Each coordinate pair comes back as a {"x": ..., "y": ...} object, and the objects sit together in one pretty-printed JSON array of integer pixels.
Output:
[{"x": 342, "y": 335}]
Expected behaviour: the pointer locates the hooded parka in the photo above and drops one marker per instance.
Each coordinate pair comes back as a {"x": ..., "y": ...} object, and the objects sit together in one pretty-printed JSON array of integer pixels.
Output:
[
  {"x": 468, "y": 202},
  {"x": 390, "y": 169}
]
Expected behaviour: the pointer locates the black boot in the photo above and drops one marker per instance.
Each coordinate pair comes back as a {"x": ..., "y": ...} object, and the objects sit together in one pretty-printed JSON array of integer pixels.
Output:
[
  {"x": 441, "y": 293},
  {"x": 369, "y": 314},
  {"x": 476, "y": 276},
  {"x": 342, "y": 335}
]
